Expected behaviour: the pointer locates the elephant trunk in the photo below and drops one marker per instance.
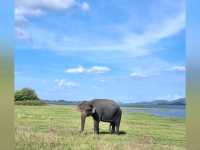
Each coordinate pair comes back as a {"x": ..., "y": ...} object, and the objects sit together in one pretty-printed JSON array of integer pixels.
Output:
[{"x": 82, "y": 122}]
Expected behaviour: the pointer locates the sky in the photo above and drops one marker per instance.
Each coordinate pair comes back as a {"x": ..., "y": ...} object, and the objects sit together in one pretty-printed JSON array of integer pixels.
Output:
[{"x": 126, "y": 50}]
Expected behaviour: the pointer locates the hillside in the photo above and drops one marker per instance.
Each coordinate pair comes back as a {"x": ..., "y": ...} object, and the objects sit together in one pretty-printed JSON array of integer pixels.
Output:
[
  {"x": 155, "y": 103},
  {"x": 158, "y": 103}
]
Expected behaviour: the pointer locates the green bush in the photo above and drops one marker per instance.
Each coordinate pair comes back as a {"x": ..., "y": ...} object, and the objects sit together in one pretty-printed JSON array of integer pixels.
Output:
[
  {"x": 26, "y": 94},
  {"x": 31, "y": 103}
]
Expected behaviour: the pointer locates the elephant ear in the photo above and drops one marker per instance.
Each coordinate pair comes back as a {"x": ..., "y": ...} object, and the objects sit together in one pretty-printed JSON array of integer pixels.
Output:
[{"x": 93, "y": 110}]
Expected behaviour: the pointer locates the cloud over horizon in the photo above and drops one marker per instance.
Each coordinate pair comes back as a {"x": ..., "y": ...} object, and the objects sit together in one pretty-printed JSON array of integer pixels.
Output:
[
  {"x": 178, "y": 68},
  {"x": 63, "y": 83},
  {"x": 93, "y": 69}
]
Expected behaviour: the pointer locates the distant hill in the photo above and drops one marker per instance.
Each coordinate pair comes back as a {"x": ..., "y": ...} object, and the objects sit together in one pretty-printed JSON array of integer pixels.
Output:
[
  {"x": 158, "y": 103},
  {"x": 155, "y": 103},
  {"x": 180, "y": 101},
  {"x": 62, "y": 102}
]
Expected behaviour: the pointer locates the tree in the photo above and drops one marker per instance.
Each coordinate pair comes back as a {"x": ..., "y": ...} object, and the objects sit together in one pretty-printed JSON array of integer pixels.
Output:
[{"x": 26, "y": 94}]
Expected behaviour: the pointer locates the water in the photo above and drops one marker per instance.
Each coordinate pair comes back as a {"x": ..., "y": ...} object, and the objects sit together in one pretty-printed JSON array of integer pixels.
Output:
[{"x": 161, "y": 112}]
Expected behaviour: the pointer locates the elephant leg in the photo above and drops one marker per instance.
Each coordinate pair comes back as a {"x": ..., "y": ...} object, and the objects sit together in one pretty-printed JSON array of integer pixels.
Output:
[
  {"x": 118, "y": 124},
  {"x": 82, "y": 122},
  {"x": 113, "y": 128},
  {"x": 110, "y": 127},
  {"x": 117, "y": 127},
  {"x": 96, "y": 127}
]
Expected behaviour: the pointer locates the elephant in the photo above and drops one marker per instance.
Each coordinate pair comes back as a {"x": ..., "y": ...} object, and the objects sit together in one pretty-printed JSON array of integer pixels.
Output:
[{"x": 104, "y": 110}]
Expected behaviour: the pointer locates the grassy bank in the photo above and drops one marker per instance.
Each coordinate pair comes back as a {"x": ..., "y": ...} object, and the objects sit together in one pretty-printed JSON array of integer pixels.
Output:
[{"x": 57, "y": 128}]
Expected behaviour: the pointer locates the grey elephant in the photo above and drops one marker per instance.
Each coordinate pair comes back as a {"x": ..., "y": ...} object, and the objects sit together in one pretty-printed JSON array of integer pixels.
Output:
[{"x": 101, "y": 110}]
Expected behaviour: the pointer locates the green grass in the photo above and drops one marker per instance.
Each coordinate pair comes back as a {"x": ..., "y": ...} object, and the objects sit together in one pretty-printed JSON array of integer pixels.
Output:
[
  {"x": 31, "y": 103},
  {"x": 57, "y": 128}
]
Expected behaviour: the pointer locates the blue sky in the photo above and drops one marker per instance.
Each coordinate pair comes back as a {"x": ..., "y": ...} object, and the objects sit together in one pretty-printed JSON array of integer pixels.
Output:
[
  {"x": 7, "y": 25},
  {"x": 127, "y": 50}
]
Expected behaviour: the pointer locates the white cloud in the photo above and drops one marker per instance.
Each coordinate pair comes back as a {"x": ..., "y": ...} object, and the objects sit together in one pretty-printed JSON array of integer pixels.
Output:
[
  {"x": 78, "y": 69},
  {"x": 85, "y": 6},
  {"x": 21, "y": 34},
  {"x": 146, "y": 73},
  {"x": 149, "y": 66},
  {"x": 30, "y": 8},
  {"x": 71, "y": 84},
  {"x": 153, "y": 70},
  {"x": 102, "y": 80},
  {"x": 136, "y": 44},
  {"x": 27, "y": 8},
  {"x": 44, "y": 4},
  {"x": 35, "y": 8},
  {"x": 178, "y": 68},
  {"x": 94, "y": 69},
  {"x": 138, "y": 74},
  {"x": 23, "y": 12},
  {"x": 98, "y": 69},
  {"x": 140, "y": 43},
  {"x": 170, "y": 97},
  {"x": 62, "y": 83},
  {"x": 161, "y": 26}
]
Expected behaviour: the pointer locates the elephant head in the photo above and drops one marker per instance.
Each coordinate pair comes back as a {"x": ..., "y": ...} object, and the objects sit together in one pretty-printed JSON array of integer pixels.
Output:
[{"x": 86, "y": 109}]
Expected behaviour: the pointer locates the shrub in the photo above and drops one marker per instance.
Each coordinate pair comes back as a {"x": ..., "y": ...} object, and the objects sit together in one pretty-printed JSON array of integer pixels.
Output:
[{"x": 26, "y": 94}]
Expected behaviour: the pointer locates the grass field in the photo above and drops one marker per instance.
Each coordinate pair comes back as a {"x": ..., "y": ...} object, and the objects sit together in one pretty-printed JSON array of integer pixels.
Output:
[{"x": 57, "y": 128}]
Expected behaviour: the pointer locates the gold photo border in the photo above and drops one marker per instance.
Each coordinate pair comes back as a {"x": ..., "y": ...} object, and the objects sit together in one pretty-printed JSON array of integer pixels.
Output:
[
  {"x": 7, "y": 131},
  {"x": 6, "y": 75},
  {"x": 193, "y": 75}
]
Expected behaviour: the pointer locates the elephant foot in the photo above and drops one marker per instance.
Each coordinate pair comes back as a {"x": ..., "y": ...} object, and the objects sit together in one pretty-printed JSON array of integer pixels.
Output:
[
  {"x": 96, "y": 132},
  {"x": 112, "y": 132},
  {"x": 81, "y": 132}
]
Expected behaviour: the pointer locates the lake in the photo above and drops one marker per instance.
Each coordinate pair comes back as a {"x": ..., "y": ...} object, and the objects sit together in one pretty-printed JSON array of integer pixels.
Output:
[{"x": 161, "y": 112}]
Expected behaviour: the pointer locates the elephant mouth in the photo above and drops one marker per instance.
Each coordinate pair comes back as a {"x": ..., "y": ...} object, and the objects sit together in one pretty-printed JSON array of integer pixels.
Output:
[{"x": 86, "y": 114}]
